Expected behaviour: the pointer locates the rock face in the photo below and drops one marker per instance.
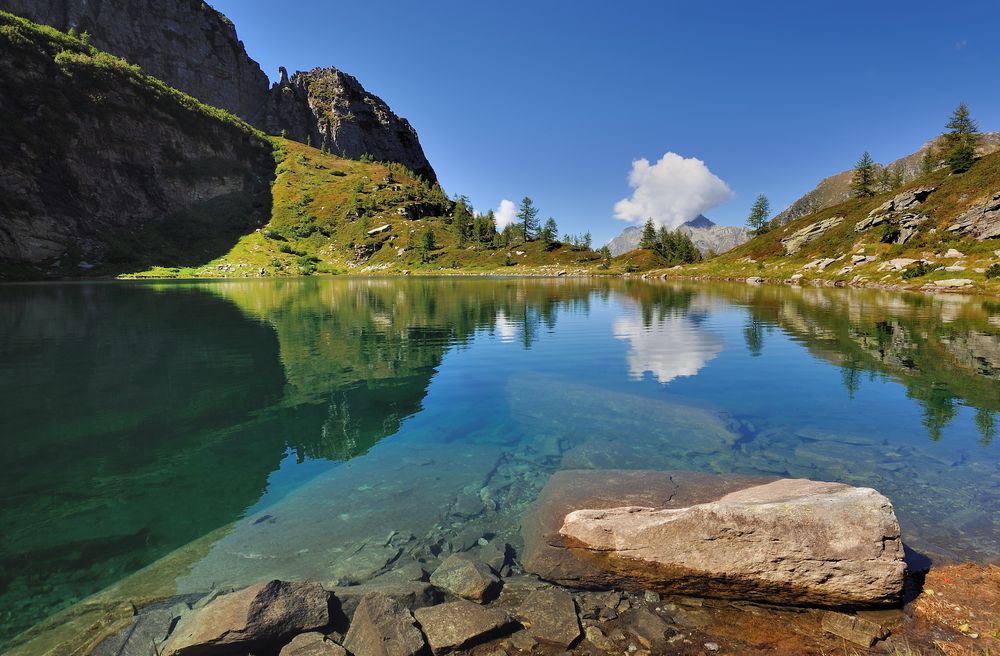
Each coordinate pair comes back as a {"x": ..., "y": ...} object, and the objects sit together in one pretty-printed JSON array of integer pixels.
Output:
[
  {"x": 895, "y": 207},
  {"x": 982, "y": 221},
  {"x": 186, "y": 43},
  {"x": 102, "y": 166},
  {"x": 789, "y": 541},
  {"x": 256, "y": 617},
  {"x": 326, "y": 106},
  {"x": 795, "y": 241},
  {"x": 706, "y": 235}
]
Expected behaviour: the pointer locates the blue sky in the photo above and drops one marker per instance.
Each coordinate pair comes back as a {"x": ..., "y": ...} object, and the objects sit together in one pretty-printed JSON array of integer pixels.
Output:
[{"x": 555, "y": 100}]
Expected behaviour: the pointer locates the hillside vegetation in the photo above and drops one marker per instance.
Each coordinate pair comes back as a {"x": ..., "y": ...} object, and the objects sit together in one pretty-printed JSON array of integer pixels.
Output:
[
  {"x": 921, "y": 262},
  {"x": 332, "y": 215}
]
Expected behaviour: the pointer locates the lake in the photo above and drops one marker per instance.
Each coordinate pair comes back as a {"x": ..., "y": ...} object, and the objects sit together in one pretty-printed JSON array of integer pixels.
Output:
[{"x": 335, "y": 429}]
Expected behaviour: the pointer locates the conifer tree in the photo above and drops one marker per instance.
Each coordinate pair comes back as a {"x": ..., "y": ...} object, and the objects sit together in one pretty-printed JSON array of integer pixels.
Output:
[
  {"x": 648, "y": 239},
  {"x": 929, "y": 161},
  {"x": 528, "y": 216},
  {"x": 550, "y": 232},
  {"x": 961, "y": 140},
  {"x": 760, "y": 212},
  {"x": 586, "y": 240},
  {"x": 863, "y": 181}
]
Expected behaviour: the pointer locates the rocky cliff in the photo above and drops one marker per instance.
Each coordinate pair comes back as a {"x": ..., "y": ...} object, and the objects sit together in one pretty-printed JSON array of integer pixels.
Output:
[
  {"x": 837, "y": 188},
  {"x": 707, "y": 235},
  {"x": 327, "y": 107},
  {"x": 106, "y": 169},
  {"x": 185, "y": 43}
]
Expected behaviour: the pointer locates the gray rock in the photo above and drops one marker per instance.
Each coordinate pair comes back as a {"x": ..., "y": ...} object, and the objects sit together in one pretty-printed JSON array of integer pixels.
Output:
[
  {"x": 647, "y": 627},
  {"x": 550, "y": 617},
  {"x": 981, "y": 221},
  {"x": 142, "y": 638},
  {"x": 383, "y": 627},
  {"x": 312, "y": 644},
  {"x": 408, "y": 594},
  {"x": 795, "y": 241},
  {"x": 790, "y": 542},
  {"x": 261, "y": 614},
  {"x": 895, "y": 207},
  {"x": 461, "y": 624},
  {"x": 463, "y": 575},
  {"x": 597, "y": 638}
]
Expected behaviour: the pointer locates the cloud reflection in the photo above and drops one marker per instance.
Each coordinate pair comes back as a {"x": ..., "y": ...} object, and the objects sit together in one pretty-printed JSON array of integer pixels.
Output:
[{"x": 669, "y": 347}]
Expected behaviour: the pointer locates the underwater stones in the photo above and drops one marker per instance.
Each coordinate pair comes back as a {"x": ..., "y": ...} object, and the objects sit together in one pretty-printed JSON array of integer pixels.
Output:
[
  {"x": 853, "y": 628},
  {"x": 258, "y": 615},
  {"x": 791, "y": 541},
  {"x": 383, "y": 627},
  {"x": 795, "y": 241},
  {"x": 312, "y": 644},
  {"x": 647, "y": 627},
  {"x": 550, "y": 617},
  {"x": 465, "y": 576},
  {"x": 460, "y": 624}
]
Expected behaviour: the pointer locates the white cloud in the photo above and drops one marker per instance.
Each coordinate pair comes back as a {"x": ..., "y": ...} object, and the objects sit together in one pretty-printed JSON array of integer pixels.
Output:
[
  {"x": 674, "y": 190},
  {"x": 505, "y": 214}
]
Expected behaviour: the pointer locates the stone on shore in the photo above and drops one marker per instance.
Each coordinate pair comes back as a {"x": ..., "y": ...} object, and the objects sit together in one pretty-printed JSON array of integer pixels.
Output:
[
  {"x": 459, "y": 624},
  {"x": 550, "y": 617},
  {"x": 786, "y": 542},
  {"x": 312, "y": 644},
  {"x": 463, "y": 575},
  {"x": 261, "y": 615},
  {"x": 383, "y": 627}
]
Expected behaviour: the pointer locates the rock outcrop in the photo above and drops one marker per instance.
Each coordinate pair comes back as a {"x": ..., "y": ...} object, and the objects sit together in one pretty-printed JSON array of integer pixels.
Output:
[
  {"x": 260, "y": 616},
  {"x": 327, "y": 107},
  {"x": 790, "y": 541},
  {"x": 105, "y": 166},
  {"x": 794, "y": 242},
  {"x": 786, "y": 541},
  {"x": 982, "y": 221},
  {"x": 186, "y": 43},
  {"x": 895, "y": 207}
]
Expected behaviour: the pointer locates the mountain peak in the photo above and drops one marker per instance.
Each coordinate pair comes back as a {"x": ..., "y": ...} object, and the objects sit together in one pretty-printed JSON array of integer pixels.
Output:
[{"x": 700, "y": 221}]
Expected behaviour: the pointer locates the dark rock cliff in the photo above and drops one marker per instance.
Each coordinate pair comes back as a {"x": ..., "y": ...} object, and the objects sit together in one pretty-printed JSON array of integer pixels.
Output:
[
  {"x": 105, "y": 169},
  {"x": 185, "y": 43},
  {"x": 326, "y": 106}
]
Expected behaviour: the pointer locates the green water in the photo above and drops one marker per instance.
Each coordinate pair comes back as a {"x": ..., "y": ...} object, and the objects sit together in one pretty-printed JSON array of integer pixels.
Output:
[{"x": 346, "y": 427}]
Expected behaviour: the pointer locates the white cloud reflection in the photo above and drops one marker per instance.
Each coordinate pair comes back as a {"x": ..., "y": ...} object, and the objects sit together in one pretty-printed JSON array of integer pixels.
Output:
[{"x": 668, "y": 348}]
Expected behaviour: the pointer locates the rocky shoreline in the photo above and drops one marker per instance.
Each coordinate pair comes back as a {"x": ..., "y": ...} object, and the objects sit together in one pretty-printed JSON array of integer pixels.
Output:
[{"x": 550, "y": 598}]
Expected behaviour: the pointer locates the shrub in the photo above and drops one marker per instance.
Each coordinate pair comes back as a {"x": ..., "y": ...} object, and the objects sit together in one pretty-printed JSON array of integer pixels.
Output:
[
  {"x": 270, "y": 233},
  {"x": 304, "y": 230},
  {"x": 287, "y": 248},
  {"x": 993, "y": 271},
  {"x": 921, "y": 269}
]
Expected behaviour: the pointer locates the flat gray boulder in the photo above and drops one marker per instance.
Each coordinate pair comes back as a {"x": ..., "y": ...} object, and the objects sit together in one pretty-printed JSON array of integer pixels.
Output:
[
  {"x": 460, "y": 624},
  {"x": 258, "y": 616},
  {"x": 791, "y": 541}
]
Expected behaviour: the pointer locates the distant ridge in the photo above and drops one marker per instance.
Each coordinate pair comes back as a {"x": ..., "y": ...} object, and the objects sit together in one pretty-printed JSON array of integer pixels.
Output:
[{"x": 707, "y": 235}]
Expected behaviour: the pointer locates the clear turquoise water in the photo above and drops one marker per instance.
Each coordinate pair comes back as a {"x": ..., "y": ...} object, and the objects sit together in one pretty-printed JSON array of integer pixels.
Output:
[{"x": 345, "y": 427}]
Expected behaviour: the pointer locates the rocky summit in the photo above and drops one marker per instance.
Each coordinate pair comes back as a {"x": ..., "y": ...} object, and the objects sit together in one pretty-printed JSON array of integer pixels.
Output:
[
  {"x": 707, "y": 235},
  {"x": 787, "y": 542}
]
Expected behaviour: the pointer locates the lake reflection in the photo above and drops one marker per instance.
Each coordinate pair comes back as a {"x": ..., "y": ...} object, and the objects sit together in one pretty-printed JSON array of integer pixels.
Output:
[{"x": 139, "y": 417}]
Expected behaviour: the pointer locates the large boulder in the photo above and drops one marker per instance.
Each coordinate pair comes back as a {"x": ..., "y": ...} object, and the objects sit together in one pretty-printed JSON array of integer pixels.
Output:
[
  {"x": 260, "y": 616},
  {"x": 787, "y": 542},
  {"x": 383, "y": 627}
]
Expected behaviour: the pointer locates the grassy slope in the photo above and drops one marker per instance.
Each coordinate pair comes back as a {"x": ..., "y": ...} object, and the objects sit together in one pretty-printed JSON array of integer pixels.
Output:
[
  {"x": 764, "y": 256},
  {"x": 311, "y": 230}
]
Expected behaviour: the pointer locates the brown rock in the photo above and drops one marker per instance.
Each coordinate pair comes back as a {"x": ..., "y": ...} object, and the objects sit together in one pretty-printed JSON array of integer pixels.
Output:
[
  {"x": 546, "y": 554},
  {"x": 789, "y": 541},
  {"x": 850, "y": 627},
  {"x": 312, "y": 644},
  {"x": 383, "y": 627},
  {"x": 409, "y": 594},
  {"x": 463, "y": 575},
  {"x": 550, "y": 617},
  {"x": 262, "y": 614},
  {"x": 461, "y": 624},
  {"x": 647, "y": 627}
]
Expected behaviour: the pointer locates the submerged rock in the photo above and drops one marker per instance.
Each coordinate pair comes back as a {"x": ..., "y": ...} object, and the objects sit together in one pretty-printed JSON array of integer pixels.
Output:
[
  {"x": 550, "y": 617},
  {"x": 786, "y": 542},
  {"x": 465, "y": 576},
  {"x": 460, "y": 624},
  {"x": 261, "y": 615},
  {"x": 383, "y": 627}
]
